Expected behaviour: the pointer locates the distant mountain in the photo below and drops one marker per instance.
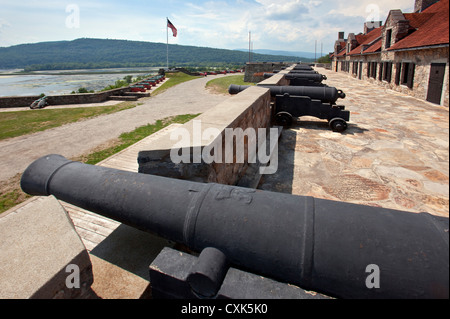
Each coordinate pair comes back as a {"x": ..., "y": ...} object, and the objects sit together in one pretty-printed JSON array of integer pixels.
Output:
[
  {"x": 305, "y": 55},
  {"x": 104, "y": 53}
]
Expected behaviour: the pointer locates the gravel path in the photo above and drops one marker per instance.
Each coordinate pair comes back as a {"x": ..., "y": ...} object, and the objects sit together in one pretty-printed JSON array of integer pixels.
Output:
[{"x": 78, "y": 138}]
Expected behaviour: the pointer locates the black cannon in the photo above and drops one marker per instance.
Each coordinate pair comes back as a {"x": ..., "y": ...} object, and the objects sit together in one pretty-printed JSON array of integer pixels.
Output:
[
  {"x": 302, "y": 79},
  {"x": 339, "y": 249},
  {"x": 297, "y": 101},
  {"x": 324, "y": 94},
  {"x": 302, "y": 67},
  {"x": 299, "y": 71},
  {"x": 303, "y": 71},
  {"x": 308, "y": 76}
]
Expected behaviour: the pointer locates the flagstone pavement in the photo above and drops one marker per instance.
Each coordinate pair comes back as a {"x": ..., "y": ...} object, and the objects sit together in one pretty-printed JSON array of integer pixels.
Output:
[{"x": 394, "y": 154}]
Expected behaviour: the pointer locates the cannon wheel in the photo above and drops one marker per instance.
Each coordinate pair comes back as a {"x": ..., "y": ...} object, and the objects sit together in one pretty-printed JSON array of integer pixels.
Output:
[
  {"x": 283, "y": 119},
  {"x": 338, "y": 125}
]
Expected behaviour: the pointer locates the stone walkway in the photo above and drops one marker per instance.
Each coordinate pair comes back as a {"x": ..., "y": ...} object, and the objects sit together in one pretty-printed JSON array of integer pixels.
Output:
[{"x": 394, "y": 154}]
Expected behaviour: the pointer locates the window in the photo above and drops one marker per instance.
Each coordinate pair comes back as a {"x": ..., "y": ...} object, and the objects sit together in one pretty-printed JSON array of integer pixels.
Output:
[
  {"x": 355, "y": 68},
  {"x": 373, "y": 69},
  {"x": 387, "y": 44},
  {"x": 398, "y": 67},
  {"x": 345, "y": 66},
  {"x": 387, "y": 71},
  {"x": 380, "y": 74},
  {"x": 407, "y": 76}
]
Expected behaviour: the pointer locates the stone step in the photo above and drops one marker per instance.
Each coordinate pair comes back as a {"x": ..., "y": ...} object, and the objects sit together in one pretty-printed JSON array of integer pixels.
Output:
[
  {"x": 138, "y": 94},
  {"x": 123, "y": 98}
]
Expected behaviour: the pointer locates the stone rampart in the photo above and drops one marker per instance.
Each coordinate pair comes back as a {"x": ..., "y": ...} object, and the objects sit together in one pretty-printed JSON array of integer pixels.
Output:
[{"x": 248, "y": 109}]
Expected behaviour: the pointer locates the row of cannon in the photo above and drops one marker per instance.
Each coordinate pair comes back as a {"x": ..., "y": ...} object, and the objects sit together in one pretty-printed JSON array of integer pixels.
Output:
[
  {"x": 147, "y": 84},
  {"x": 305, "y": 95}
]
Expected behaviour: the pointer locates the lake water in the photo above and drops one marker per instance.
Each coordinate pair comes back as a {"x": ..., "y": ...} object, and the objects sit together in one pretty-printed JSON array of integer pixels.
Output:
[{"x": 55, "y": 84}]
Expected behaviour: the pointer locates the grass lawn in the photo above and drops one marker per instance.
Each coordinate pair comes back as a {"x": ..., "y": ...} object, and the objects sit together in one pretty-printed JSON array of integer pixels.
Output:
[
  {"x": 220, "y": 85},
  {"x": 11, "y": 194},
  {"x": 14, "y": 124},
  {"x": 130, "y": 138}
]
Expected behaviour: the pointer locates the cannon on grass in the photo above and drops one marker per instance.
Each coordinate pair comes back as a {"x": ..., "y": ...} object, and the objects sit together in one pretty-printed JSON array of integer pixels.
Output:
[
  {"x": 147, "y": 85},
  {"x": 138, "y": 88},
  {"x": 297, "y": 101},
  {"x": 339, "y": 249}
]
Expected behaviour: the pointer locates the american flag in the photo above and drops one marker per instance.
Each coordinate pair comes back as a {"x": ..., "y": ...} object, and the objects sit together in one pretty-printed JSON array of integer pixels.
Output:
[{"x": 170, "y": 25}]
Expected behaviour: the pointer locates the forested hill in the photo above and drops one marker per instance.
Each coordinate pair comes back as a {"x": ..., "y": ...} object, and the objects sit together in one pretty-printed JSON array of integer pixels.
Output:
[{"x": 104, "y": 53}]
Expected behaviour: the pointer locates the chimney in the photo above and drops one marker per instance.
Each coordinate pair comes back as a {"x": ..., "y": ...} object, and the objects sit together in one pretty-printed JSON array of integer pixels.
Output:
[
  {"x": 370, "y": 25},
  {"x": 341, "y": 35},
  {"x": 421, "y": 5}
]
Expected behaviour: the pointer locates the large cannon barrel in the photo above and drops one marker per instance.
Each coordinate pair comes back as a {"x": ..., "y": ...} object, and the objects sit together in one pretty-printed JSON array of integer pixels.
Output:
[
  {"x": 339, "y": 249},
  {"x": 299, "y": 71},
  {"x": 302, "y": 67},
  {"x": 303, "y": 76},
  {"x": 303, "y": 71},
  {"x": 325, "y": 94}
]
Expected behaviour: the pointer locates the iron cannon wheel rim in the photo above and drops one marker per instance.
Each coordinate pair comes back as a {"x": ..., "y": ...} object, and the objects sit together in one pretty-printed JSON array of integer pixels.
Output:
[
  {"x": 338, "y": 125},
  {"x": 283, "y": 118}
]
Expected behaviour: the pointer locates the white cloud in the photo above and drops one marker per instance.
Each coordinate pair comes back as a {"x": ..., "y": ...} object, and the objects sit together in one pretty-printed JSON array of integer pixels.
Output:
[
  {"x": 292, "y": 25},
  {"x": 286, "y": 10}
]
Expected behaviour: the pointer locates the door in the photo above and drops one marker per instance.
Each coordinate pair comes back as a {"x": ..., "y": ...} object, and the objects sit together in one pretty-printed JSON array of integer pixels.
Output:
[
  {"x": 360, "y": 70},
  {"x": 436, "y": 82}
]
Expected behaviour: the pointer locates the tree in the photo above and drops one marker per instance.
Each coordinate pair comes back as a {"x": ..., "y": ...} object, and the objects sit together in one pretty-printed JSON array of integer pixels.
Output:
[{"x": 324, "y": 59}]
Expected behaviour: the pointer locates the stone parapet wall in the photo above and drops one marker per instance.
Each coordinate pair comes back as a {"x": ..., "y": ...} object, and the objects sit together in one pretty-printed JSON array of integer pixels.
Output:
[
  {"x": 248, "y": 109},
  {"x": 42, "y": 256}
]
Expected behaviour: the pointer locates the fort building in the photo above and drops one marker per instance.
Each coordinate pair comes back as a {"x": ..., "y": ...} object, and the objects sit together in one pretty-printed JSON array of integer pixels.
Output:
[{"x": 408, "y": 54}]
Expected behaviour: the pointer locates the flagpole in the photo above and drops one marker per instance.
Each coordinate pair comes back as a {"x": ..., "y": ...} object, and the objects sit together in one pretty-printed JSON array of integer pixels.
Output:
[{"x": 167, "y": 32}]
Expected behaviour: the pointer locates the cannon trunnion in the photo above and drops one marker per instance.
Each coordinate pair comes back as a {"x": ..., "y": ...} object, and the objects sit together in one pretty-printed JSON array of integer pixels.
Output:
[{"x": 316, "y": 244}]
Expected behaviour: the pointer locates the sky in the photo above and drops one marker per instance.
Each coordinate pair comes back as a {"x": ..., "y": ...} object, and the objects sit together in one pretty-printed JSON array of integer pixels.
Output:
[{"x": 289, "y": 25}]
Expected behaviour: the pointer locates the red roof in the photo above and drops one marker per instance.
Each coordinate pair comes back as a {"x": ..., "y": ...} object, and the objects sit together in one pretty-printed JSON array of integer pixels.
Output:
[
  {"x": 369, "y": 39},
  {"x": 341, "y": 53},
  {"x": 432, "y": 27},
  {"x": 376, "y": 47}
]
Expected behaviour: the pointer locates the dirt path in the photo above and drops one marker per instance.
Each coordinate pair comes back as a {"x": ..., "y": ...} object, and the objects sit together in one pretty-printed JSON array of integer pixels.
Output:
[{"x": 78, "y": 138}]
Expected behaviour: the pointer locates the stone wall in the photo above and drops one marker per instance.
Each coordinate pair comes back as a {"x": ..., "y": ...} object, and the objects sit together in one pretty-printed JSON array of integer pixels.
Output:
[
  {"x": 422, "y": 60},
  {"x": 248, "y": 109},
  {"x": 25, "y": 101}
]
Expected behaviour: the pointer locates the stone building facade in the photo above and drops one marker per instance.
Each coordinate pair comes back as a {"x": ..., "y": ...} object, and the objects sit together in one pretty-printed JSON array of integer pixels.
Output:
[{"x": 409, "y": 53}]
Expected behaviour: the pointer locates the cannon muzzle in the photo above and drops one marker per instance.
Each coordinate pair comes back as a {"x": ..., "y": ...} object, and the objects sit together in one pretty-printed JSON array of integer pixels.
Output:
[
  {"x": 317, "y": 244},
  {"x": 325, "y": 94}
]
